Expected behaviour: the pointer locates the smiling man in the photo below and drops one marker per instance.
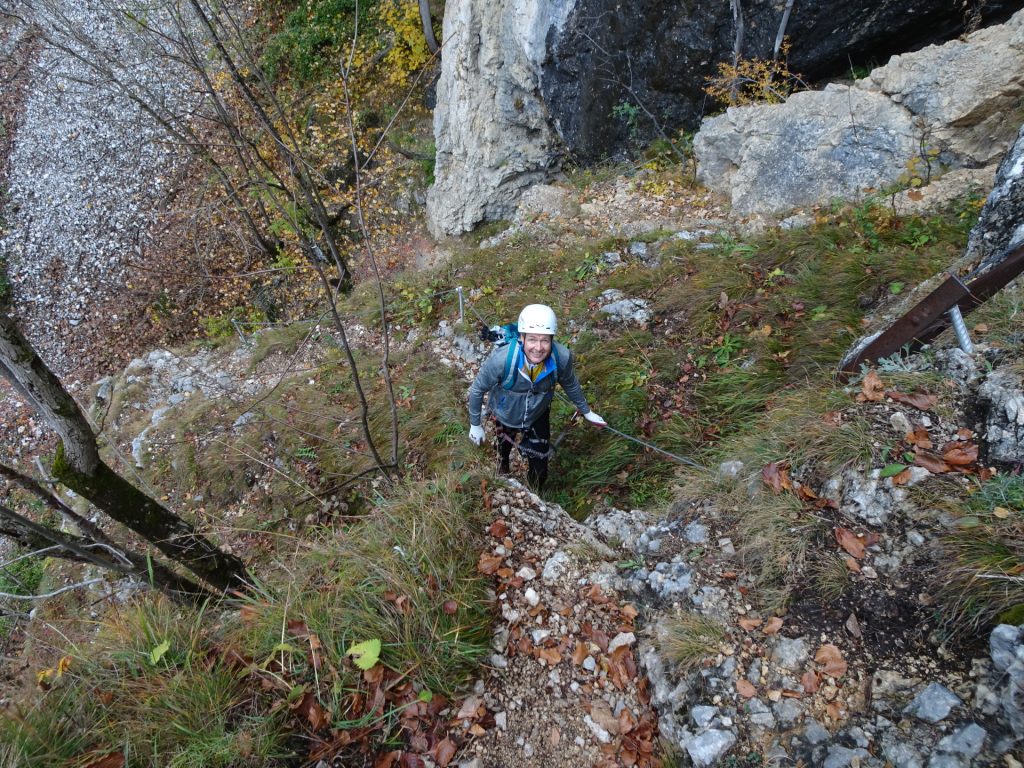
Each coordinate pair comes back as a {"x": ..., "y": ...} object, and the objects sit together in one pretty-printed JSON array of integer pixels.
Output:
[{"x": 519, "y": 382}]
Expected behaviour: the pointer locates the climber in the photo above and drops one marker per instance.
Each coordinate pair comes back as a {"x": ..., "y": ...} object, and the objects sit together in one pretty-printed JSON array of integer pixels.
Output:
[{"x": 520, "y": 381}]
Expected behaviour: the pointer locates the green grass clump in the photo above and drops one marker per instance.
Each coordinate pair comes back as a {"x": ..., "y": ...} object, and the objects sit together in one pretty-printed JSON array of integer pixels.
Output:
[
  {"x": 982, "y": 573},
  {"x": 418, "y": 546},
  {"x": 22, "y": 577},
  {"x": 169, "y": 685},
  {"x": 688, "y": 639},
  {"x": 152, "y": 687}
]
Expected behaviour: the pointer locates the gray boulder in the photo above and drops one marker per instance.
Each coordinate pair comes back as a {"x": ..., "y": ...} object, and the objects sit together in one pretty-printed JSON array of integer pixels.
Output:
[
  {"x": 816, "y": 146},
  {"x": 957, "y": 101},
  {"x": 1001, "y": 397}
]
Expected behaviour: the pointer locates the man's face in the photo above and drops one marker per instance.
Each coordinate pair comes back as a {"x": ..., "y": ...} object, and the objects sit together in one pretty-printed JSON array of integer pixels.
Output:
[{"x": 537, "y": 347}]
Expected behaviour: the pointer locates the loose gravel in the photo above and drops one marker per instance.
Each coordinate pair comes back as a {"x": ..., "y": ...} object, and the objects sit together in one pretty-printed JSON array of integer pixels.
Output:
[{"x": 88, "y": 171}]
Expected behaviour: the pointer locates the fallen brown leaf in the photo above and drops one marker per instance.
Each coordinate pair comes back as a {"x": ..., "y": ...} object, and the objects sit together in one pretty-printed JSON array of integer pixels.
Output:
[
  {"x": 749, "y": 624},
  {"x": 469, "y": 709},
  {"x": 580, "y": 653},
  {"x": 443, "y": 752},
  {"x": 919, "y": 400},
  {"x": 902, "y": 478},
  {"x": 601, "y": 714},
  {"x": 961, "y": 456},
  {"x": 550, "y": 655},
  {"x": 488, "y": 563},
  {"x": 852, "y": 565},
  {"x": 850, "y": 541},
  {"x": 308, "y": 708},
  {"x": 773, "y": 625},
  {"x": 872, "y": 390},
  {"x": 776, "y": 476},
  {"x": 498, "y": 529},
  {"x": 931, "y": 462},
  {"x": 745, "y": 689},
  {"x": 831, "y": 659},
  {"x": 920, "y": 438},
  {"x": 809, "y": 681}
]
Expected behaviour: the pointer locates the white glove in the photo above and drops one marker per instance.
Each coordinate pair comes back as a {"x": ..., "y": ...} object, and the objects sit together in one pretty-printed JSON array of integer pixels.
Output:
[
  {"x": 476, "y": 434},
  {"x": 594, "y": 419}
]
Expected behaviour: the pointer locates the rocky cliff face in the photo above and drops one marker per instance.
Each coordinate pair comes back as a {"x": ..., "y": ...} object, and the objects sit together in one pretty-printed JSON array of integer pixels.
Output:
[
  {"x": 525, "y": 83},
  {"x": 957, "y": 105},
  {"x": 661, "y": 53},
  {"x": 493, "y": 133}
]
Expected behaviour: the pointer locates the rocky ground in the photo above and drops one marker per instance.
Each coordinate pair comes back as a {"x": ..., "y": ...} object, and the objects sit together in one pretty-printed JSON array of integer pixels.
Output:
[{"x": 578, "y": 673}]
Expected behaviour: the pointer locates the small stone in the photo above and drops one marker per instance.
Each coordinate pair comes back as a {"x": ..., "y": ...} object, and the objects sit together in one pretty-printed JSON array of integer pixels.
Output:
[
  {"x": 843, "y": 757},
  {"x": 589, "y": 664},
  {"x": 531, "y": 596},
  {"x": 730, "y": 470},
  {"x": 555, "y": 566},
  {"x": 501, "y": 720},
  {"x": 526, "y": 573},
  {"x": 790, "y": 653},
  {"x": 966, "y": 741},
  {"x": 933, "y": 704},
  {"x": 702, "y": 715},
  {"x": 707, "y": 748},
  {"x": 900, "y": 424},
  {"x": 696, "y": 532},
  {"x": 498, "y": 661},
  {"x": 621, "y": 639}
]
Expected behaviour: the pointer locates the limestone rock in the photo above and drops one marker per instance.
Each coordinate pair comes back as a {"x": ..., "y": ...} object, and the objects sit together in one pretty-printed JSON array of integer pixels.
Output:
[
  {"x": 816, "y": 146},
  {"x": 1001, "y": 397},
  {"x": 970, "y": 120},
  {"x": 491, "y": 128},
  {"x": 835, "y": 143}
]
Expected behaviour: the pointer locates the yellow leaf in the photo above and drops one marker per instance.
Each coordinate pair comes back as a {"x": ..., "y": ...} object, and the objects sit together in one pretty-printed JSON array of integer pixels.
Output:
[{"x": 1001, "y": 512}]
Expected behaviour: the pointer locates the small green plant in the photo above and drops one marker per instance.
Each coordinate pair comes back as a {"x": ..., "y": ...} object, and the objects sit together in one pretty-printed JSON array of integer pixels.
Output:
[
  {"x": 629, "y": 112},
  {"x": 725, "y": 348}
]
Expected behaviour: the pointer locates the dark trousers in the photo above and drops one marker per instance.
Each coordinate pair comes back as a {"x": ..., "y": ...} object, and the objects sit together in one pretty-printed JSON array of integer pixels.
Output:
[{"x": 534, "y": 445}]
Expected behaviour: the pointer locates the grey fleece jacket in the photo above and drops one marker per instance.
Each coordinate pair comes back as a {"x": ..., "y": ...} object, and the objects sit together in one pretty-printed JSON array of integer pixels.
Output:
[{"x": 522, "y": 405}]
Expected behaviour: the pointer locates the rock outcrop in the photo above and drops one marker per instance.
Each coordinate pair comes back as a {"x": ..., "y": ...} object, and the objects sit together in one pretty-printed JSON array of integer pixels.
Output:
[
  {"x": 525, "y": 83},
  {"x": 494, "y": 138},
  {"x": 999, "y": 228},
  {"x": 955, "y": 105}
]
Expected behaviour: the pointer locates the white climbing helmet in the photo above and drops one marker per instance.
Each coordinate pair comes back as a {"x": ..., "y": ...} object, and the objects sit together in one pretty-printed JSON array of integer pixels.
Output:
[{"x": 537, "y": 318}]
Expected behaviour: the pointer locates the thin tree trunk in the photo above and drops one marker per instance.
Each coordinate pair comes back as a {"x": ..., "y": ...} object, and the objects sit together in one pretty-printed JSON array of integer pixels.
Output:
[
  {"x": 428, "y": 27},
  {"x": 781, "y": 34},
  {"x": 31, "y": 535},
  {"x": 79, "y": 467}
]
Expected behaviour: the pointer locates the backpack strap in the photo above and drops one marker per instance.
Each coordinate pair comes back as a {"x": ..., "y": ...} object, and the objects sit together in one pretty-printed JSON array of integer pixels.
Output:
[{"x": 508, "y": 374}]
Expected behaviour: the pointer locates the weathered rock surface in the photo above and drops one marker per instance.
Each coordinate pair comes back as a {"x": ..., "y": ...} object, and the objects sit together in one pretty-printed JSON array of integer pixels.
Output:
[
  {"x": 957, "y": 105},
  {"x": 999, "y": 226},
  {"x": 1001, "y": 396},
  {"x": 526, "y": 82},
  {"x": 815, "y": 146},
  {"x": 492, "y": 130}
]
